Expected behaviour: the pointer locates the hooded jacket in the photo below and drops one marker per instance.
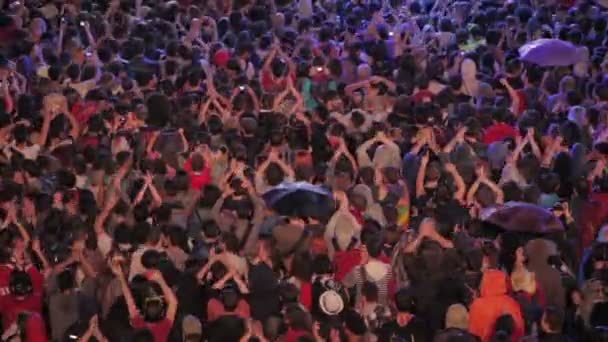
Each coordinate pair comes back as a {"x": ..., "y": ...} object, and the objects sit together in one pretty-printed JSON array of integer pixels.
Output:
[
  {"x": 538, "y": 252},
  {"x": 492, "y": 303}
]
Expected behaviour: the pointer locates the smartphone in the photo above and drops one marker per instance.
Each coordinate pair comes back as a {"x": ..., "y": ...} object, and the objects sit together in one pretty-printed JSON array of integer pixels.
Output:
[
  {"x": 82, "y": 23},
  {"x": 241, "y": 88},
  {"x": 319, "y": 69}
]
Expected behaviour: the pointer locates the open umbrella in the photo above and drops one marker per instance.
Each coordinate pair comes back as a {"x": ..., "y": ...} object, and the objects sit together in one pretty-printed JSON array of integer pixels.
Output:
[
  {"x": 300, "y": 199},
  {"x": 550, "y": 52},
  {"x": 524, "y": 218}
]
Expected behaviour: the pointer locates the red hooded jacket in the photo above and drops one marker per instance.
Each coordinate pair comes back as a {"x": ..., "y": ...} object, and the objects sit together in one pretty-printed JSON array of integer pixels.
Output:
[{"x": 492, "y": 303}]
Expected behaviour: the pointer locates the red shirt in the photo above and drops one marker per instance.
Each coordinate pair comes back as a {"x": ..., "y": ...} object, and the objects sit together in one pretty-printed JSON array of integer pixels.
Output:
[
  {"x": 35, "y": 329},
  {"x": 5, "y": 275},
  {"x": 83, "y": 111},
  {"x": 423, "y": 95},
  {"x": 215, "y": 309},
  {"x": 274, "y": 85},
  {"x": 306, "y": 295},
  {"x": 160, "y": 330},
  {"x": 345, "y": 261},
  {"x": 498, "y": 132},
  {"x": 198, "y": 179},
  {"x": 11, "y": 306}
]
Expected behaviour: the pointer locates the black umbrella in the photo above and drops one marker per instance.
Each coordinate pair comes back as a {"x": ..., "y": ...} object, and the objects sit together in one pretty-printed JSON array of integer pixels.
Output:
[
  {"x": 524, "y": 218},
  {"x": 300, "y": 199}
]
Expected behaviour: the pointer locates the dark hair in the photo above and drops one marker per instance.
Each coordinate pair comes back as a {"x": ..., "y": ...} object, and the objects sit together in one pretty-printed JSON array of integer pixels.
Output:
[
  {"x": 405, "y": 300},
  {"x": 321, "y": 264},
  {"x": 504, "y": 324},
  {"x": 553, "y": 318},
  {"x": 229, "y": 298},
  {"x": 66, "y": 280}
]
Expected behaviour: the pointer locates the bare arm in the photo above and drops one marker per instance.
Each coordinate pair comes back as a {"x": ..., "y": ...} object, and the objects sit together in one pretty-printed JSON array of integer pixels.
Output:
[
  {"x": 46, "y": 266},
  {"x": 389, "y": 84},
  {"x": 421, "y": 175},
  {"x": 124, "y": 286},
  {"x": 202, "y": 114},
  {"x": 183, "y": 139},
  {"x": 351, "y": 88},
  {"x": 514, "y": 157},
  {"x": 46, "y": 124},
  {"x": 473, "y": 190},
  {"x": 254, "y": 99},
  {"x": 512, "y": 94},
  {"x": 167, "y": 293},
  {"x": 458, "y": 138},
  {"x": 156, "y": 197},
  {"x": 500, "y": 195},
  {"x": 461, "y": 187}
]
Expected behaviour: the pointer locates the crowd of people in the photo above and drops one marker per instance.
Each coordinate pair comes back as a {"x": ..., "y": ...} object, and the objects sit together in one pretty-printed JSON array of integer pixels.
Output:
[{"x": 301, "y": 170}]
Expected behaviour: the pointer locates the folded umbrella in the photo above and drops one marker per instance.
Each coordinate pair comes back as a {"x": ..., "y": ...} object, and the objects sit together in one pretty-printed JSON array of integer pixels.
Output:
[
  {"x": 550, "y": 52},
  {"x": 300, "y": 199},
  {"x": 524, "y": 218}
]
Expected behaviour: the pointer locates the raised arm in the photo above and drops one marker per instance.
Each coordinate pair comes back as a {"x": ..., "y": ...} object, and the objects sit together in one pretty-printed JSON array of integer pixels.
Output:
[
  {"x": 535, "y": 149},
  {"x": 274, "y": 158},
  {"x": 389, "y": 84},
  {"x": 124, "y": 287},
  {"x": 167, "y": 293},
  {"x": 458, "y": 138},
  {"x": 362, "y": 157},
  {"x": 424, "y": 162},
  {"x": 512, "y": 94},
  {"x": 461, "y": 188},
  {"x": 268, "y": 62},
  {"x": 183, "y": 139},
  {"x": 202, "y": 114},
  {"x": 46, "y": 266},
  {"x": 500, "y": 195},
  {"x": 351, "y": 88},
  {"x": 156, "y": 197},
  {"x": 254, "y": 98},
  {"x": 514, "y": 156}
]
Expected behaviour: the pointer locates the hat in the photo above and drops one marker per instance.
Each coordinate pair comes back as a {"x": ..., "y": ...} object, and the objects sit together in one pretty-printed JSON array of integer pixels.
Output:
[
  {"x": 523, "y": 280},
  {"x": 457, "y": 316},
  {"x": 331, "y": 303},
  {"x": 191, "y": 326},
  {"x": 221, "y": 57}
]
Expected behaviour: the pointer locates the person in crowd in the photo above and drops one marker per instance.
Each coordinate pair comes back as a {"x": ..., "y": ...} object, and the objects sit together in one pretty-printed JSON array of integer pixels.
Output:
[{"x": 301, "y": 170}]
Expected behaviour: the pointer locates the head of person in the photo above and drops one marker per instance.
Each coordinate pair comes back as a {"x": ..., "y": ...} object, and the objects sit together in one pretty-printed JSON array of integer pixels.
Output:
[{"x": 405, "y": 301}]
